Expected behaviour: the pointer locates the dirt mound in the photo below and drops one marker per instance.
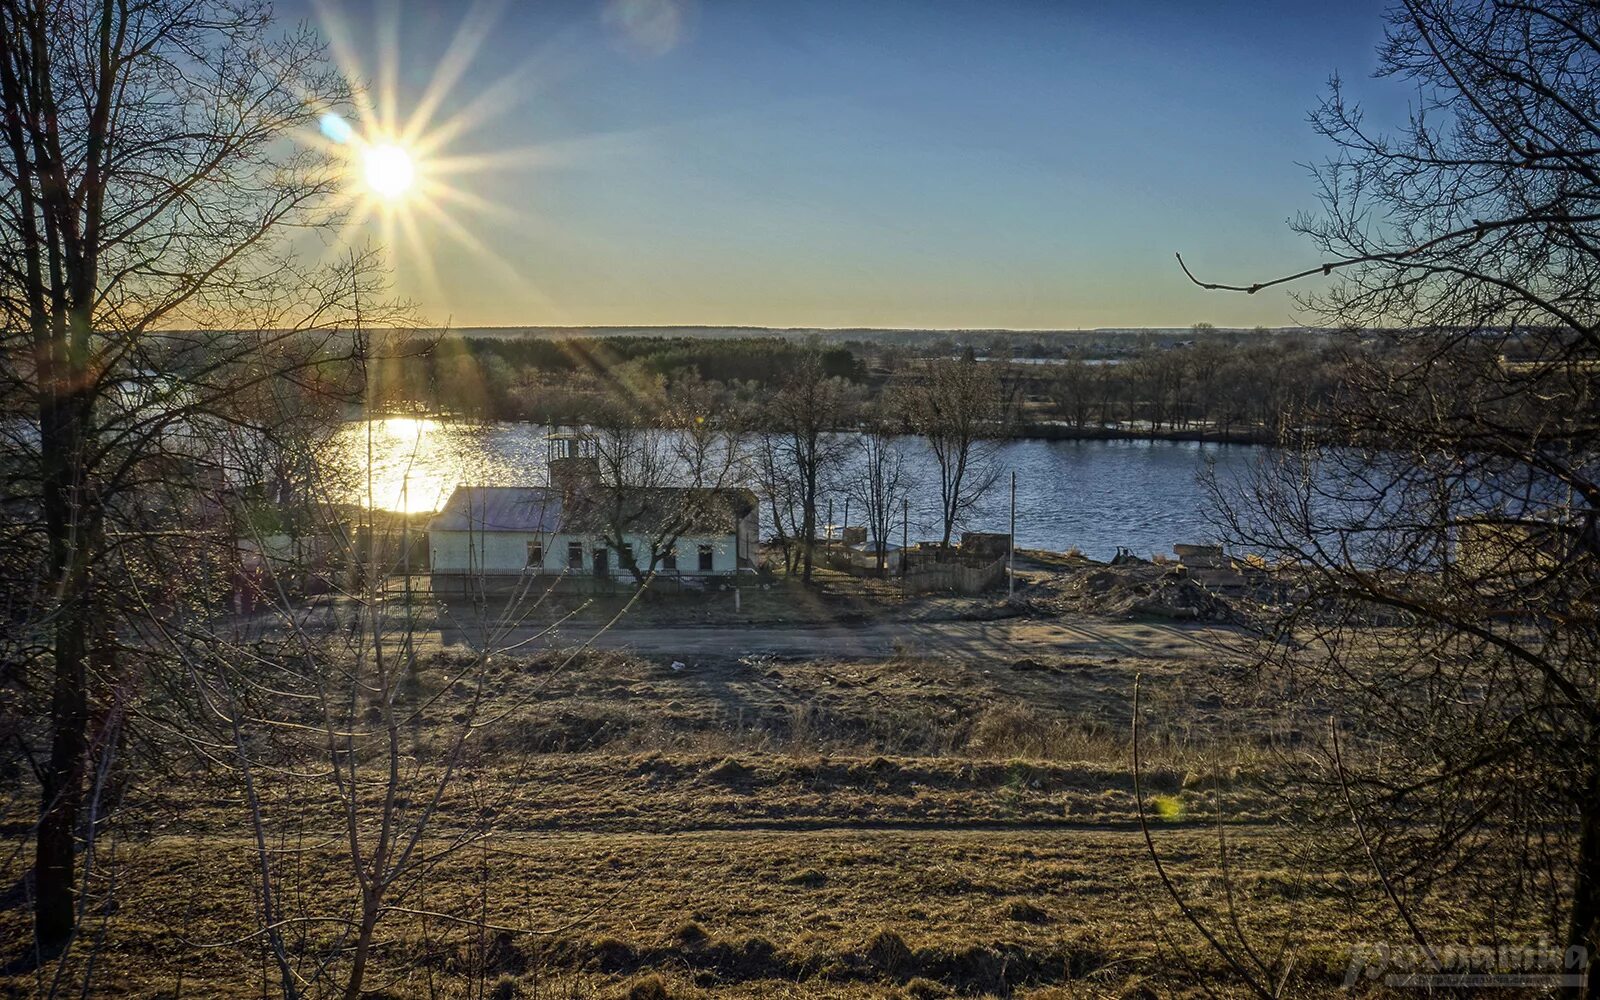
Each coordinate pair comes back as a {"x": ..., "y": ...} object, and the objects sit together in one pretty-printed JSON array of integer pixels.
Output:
[
  {"x": 1135, "y": 587},
  {"x": 731, "y": 772}
]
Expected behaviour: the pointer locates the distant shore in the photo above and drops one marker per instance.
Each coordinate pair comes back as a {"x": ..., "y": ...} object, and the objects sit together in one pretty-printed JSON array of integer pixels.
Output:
[
  {"x": 1066, "y": 432},
  {"x": 1025, "y": 431}
]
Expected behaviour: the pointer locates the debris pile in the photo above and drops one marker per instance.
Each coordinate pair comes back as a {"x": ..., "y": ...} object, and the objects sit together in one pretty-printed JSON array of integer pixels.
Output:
[{"x": 1136, "y": 587}]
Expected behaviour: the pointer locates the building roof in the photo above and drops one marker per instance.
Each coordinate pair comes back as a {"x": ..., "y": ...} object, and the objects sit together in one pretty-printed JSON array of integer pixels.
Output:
[
  {"x": 548, "y": 510},
  {"x": 871, "y": 547},
  {"x": 500, "y": 508},
  {"x": 675, "y": 510}
]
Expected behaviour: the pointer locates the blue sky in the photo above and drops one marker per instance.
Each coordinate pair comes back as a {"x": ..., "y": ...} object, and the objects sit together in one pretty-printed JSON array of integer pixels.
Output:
[{"x": 1023, "y": 164}]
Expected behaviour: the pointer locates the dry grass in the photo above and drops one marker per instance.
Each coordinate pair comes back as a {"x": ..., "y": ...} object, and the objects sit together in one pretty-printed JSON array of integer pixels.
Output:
[
  {"x": 833, "y": 597},
  {"x": 910, "y": 828},
  {"x": 830, "y": 913}
]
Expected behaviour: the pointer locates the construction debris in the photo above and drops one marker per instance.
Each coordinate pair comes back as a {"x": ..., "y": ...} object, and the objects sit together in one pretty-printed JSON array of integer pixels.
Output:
[
  {"x": 1201, "y": 585},
  {"x": 1141, "y": 588}
]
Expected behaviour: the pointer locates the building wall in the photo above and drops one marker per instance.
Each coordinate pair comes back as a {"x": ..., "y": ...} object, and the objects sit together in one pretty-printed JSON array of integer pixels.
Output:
[
  {"x": 502, "y": 553},
  {"x": 749, "y": 532}
]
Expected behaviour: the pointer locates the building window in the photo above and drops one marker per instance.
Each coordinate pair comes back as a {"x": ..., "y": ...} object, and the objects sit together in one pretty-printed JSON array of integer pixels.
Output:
[
  {"x": 705, "y": 558},
  {"x": 574, "y": 555},
  {"x": 669, "y": 559},
  {"x": 627, "y": 554},
  {"x": 536, "y": 554}
]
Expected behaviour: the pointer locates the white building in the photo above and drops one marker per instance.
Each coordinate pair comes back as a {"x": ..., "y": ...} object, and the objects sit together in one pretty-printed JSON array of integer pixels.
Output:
[{"x": 571, "y": 529}]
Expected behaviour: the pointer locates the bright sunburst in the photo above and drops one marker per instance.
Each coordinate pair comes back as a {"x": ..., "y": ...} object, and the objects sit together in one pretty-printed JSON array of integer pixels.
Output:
[
  {"x": 396, "y": 166},
  {"x": 399, "y": 162},
  {"x": 388, "y": 170}
]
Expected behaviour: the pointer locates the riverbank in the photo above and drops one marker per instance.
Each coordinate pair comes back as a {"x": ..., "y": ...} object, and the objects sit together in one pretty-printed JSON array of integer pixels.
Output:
[
  {"x": 1032, "y": 430},
  {"x": 1056, "y": 431}
]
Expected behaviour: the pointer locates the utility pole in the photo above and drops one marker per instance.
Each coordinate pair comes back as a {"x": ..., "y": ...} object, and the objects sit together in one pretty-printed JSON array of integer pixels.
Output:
[
  {"x": 1011, "y": 542},
  {"x": 905, "y": 529},
  {"x": 405, "y": 548}
]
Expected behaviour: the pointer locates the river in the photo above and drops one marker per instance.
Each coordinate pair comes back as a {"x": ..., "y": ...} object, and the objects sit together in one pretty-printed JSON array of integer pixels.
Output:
[{"x": 1089, "y": 495}]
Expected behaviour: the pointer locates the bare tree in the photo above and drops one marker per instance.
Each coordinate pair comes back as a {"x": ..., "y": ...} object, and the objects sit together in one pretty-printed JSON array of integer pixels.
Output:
[
  {"x": 881, "y": 483},
  {"x": 776, "y": 485},
  {"x": 324, "y": 716},
  {"x": 1453, "y": 499},
  {"x": 149, "y": 176},
  {"x": 960, "y": 408},
  {"x": 707, "y": 431},
  {"x": 807, "y": 407},
  {"x": 1205, "y": 362},
  {"x": 1075, "y": 389},
  {"x": 659, "y": 479}
]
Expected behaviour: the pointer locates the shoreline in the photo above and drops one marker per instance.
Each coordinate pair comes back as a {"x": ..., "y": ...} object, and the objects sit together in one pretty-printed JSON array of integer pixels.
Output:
[
  {"x": 1024, "y": 432},
  {"x": 1055, "y": 432}
]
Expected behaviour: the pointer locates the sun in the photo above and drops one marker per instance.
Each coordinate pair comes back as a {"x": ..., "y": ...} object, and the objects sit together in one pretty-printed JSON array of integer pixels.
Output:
[
  {"x": 394, "y": 168},
  {"x": 388, "y": 170}
]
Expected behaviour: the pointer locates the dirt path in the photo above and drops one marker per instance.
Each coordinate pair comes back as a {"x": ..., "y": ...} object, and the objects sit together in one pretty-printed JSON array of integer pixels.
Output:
[{"x": 1002, "y": 640}]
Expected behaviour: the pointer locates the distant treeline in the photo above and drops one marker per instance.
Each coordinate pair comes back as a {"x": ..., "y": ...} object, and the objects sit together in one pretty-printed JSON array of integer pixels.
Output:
[
  {"x": 1258, "y": 388},
  {"x": 745, "y": 359},
  {"x": 1202, "y": 381},
  {"x": 1014, "y": 343},
  {"x": 562, "y": 381}
]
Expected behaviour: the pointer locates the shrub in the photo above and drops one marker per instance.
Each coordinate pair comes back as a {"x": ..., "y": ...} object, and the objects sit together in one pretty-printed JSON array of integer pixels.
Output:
[
  {"x": 1010, "y": 731},
  {"x": 651, "y": 987},
  {"x": 926, "y": 989},
  {"x": 1022, "y": 911},
  {"x": 505, "y": 989},
  {"x": 888, "y": 951}
]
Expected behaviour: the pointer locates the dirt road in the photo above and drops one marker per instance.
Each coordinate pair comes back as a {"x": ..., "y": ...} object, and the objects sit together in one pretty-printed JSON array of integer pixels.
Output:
[{"x": 1002, "y": 640}]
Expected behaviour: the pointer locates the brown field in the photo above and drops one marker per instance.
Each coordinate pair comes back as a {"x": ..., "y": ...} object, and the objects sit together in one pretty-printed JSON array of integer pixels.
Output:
[{"x": 913, "y": 826}]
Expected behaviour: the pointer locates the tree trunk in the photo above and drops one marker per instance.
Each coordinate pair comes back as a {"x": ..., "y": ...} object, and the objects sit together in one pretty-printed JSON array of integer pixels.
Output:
[
  {"x": 63, "y": 420},
  {"x": 363, "y": 946},
  {"x": 809, "y": 529},
  {"x": 62, "y": 789},
  {"x": 1584, "y": 933},
  {"x": 808, "y": 509}
]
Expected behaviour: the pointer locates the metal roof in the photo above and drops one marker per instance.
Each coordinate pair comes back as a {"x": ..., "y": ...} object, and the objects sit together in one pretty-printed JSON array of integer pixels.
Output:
[
  {"x": 500, "y": 508},
  {"x": 550, "y": 510},
  {"x": 870, "y": 546}
]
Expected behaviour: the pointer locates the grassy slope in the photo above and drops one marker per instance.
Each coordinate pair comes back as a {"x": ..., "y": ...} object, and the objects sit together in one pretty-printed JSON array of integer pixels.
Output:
[{"x": 905, "y": 828}]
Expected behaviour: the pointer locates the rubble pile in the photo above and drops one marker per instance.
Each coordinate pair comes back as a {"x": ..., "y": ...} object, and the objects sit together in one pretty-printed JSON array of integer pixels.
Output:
[{"x": 1136, "y": 587}]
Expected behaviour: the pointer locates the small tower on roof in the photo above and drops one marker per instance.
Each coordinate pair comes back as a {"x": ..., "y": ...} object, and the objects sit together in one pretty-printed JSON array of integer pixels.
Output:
[{"x": 573, "y": 459}]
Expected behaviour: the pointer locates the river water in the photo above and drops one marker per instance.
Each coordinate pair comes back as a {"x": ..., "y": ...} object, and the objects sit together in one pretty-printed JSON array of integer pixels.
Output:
[{"x": 1090, "y": 495}]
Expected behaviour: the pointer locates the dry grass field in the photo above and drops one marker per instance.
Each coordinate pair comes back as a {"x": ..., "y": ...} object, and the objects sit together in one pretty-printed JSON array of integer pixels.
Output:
[{"x": 909, "y": 827}]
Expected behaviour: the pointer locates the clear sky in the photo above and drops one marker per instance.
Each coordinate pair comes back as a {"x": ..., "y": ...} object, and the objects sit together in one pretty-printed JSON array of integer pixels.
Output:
[{"x": 855, "y": 163}]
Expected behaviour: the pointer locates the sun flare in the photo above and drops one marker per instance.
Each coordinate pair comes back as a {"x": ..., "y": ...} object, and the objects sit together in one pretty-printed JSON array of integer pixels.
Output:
[
  {"x": 394, "y": 165},
  {"x": 388, "y": 170}
]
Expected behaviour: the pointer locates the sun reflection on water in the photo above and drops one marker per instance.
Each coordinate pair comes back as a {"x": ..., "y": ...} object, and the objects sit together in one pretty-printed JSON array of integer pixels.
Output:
[
  {"x": 417, "y": 461},
  {"x": 412, "y": 467}
]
